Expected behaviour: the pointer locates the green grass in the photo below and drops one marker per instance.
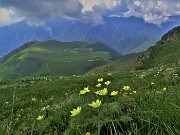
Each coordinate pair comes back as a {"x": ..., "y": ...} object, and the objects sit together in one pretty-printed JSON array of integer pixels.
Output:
[
  {"x": 151, "y": 110},
  {"x": 150, "y": 107},
  {"x": 166, "y": 54},
  {"x": 125, "y": 63},
  {"x": 58, "y": 58}
]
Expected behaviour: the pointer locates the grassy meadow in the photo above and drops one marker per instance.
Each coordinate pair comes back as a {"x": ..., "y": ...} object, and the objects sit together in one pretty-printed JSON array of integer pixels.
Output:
[
  {"x": 110, "y": 100},
  {"x": 150, "y": 105}
]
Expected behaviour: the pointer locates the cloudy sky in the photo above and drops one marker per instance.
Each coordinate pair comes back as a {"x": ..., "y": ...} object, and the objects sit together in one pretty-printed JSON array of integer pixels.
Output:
[{"x": 37, "y": 11}]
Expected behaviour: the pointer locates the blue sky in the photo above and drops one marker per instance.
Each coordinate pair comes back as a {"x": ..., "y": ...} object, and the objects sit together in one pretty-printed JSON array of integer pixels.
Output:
[{"x": 36, "y": 12}]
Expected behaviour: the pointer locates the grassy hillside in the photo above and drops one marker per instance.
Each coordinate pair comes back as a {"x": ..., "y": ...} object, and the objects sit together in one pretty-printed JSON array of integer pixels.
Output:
[
  {"x": 149, "y": 106},
  {"x": 144, "y": 102},
  {"x": 54, "y": 58},
  {"x": 125, "y": 63},
  {"x": 164, "y": 53}
]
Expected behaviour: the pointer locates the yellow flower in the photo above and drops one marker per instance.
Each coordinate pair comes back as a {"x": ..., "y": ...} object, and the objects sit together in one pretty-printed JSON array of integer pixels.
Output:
[
  {"x": 152, "y": 83},
  {"x": 126, "y": 87},
  {"x": 44, "y": 108},
  {"x": 88, "y": 133},
  {"x": 134, "y": 92},
  {"x": 98, "y": 85},
  {"x": 40, "y": 117},
  {"x": 164, "y": 89},
  {"x": 114, "y": 93},
  {"x": 33, "y": 99},
  {"x": 97, "y": 92},
  {"x": 75, "y": 112},
  {"x": 102, "y": 92},
  {"x": 158, "y": 92},
  {"x": 86, "y": 90},
  {"x": 95, "y": 104},
  {"x": 100, "y": 80},
  {"x": 107, "y": 83},
  {"x": 82, "y": 92}
]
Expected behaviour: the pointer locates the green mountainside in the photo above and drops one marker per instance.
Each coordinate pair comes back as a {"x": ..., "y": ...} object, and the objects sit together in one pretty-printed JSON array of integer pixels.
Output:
[
  {"x": 125, "y": 63},
  {"x": 163, "y": 54},
  {"x": 129, "y": 96},
  {"x": 166, "y": 52},
  {"x": 54, "y": 58}
]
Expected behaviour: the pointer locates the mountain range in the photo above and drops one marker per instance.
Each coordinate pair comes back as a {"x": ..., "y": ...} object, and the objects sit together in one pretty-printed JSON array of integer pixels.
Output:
[
  {"x": 53, "y": 57},
  {"x": 125, "y": 35}
]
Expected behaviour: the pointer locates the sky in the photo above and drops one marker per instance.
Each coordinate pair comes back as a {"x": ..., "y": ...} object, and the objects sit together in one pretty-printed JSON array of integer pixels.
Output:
[{"x": 36, "y": 12}]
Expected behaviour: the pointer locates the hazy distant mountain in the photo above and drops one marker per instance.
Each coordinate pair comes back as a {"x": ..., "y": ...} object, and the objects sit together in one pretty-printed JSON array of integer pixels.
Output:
[{"x": 125, "y": 35}]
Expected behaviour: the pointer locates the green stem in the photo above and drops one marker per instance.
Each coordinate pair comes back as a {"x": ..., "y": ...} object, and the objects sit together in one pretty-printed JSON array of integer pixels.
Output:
[
  {"x": 33, "y": 127},
  {"x": 98, "y": 123}
]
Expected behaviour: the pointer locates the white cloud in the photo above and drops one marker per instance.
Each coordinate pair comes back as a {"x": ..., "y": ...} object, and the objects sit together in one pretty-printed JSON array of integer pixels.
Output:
[
  {"x": 108, "y": 4},
  {"x": 155, "y": 19},
  {"x": 95, "y": 10},
  {"x": 8, "y": 17},
  {"x": 156, "y": 12},
  {"x": 137, "y": 3}
]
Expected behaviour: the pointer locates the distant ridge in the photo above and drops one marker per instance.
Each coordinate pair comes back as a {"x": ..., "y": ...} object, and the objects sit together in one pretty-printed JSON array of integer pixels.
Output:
[
  {"x": 125, "y": 35},
  {"x": 55, "y": 58}
]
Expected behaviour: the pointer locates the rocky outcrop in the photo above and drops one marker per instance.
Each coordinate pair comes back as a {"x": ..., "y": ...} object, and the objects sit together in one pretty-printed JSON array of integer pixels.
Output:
[
  {"x": 169, "y": 35},
  {"x": 139, "y": 61}
]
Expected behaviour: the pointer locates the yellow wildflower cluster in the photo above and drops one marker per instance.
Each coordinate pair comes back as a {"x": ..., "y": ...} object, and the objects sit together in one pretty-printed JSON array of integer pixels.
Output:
[{"x": 97, "y": 103}]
